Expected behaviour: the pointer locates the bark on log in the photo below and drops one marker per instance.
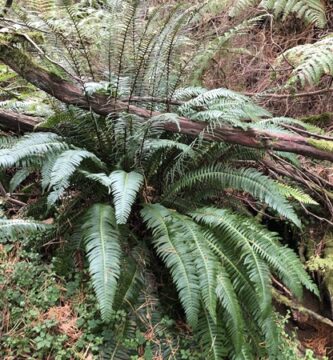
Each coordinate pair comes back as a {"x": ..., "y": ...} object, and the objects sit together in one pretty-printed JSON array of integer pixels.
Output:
[
  {"x": 17, "y": 122},
  {"x": 71, "y": 93}
]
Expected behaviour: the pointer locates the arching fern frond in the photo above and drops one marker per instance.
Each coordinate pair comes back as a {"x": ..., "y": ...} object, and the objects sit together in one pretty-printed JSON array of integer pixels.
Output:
[
  {"x": 125, "y": 187},
  {"x": 188, "y": 93},
  {"x": 10, "y": 229},
  {"x": 102, "y": 240},
  {"x": 64, "y": 167},
  {"x": 291, "y": 192},
  {"x": 238, "y": 229},
  {"x": 31, "y": 145},
  {"x": 173, "y": 250},
  {"x": 249, "y": 180}
]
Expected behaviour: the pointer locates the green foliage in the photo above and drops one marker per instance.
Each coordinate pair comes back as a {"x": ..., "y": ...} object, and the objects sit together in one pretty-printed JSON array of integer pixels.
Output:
[
  {"x": 102, "y": 240},
  {"x": 322, "y": 144},
  {"x": 297, "y": 194},
  {"x": 289, "y": 343},
  {"x": 32, "y": 316},
  {"x": 199, "y": 246},
  {"x": 151, "y": 207},
  {"x": 63, "y": 168},
  {"x": 125, "y": 187},
  {"x": 310, "y": 62},
  {"x": 48, "y": 315},
  {"x": 9, "y": 229},
  {"x": 177, "y": 258},
  {"x": 311, "y": 11},
  {"x": 248, "y": 180}
]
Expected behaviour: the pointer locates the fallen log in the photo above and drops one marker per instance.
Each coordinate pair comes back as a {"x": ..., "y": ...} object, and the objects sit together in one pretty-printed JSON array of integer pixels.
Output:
[
  {"x": 17, "y": 122},
  {"x": 69, "y": 92}
]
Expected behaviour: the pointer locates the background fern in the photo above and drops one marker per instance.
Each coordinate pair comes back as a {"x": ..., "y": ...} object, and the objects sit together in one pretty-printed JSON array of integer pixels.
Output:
[
  {"x": 311, "y": 62},
  {"x": 312, "y": 11}
]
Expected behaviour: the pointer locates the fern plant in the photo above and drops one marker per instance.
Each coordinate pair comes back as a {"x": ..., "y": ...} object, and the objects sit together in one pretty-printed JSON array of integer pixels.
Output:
[
  {"x": 220, "y": 262},
  {"x": 127, "y": 192}
]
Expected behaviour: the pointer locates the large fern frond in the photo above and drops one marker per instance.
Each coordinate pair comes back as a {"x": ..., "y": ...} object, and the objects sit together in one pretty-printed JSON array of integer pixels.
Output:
[
  {"x": 173, "y": 250},
  {"x": 102, "y": 240},
  {"x": 249, "y": 180},
  {"x": 125, "y": 187},
  {"x": 281, "y": 259}
]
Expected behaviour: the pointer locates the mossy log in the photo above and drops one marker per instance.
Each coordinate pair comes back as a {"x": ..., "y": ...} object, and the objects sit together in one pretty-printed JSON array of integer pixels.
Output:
[
  {"x": 292, "y": 304},
  {"x": 70, "y": 92}
]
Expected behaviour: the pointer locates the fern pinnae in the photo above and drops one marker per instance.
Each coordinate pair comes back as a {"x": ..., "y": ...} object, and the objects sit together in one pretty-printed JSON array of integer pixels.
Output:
[
  {"x": 311, "y": 11},
  {"x": 16, "y": 227},
  {"x": 174, "y": 252},
  {"x": 163, "y": 48},
  {"x": 102, "y": 240},
  {"x": 228, "y": 298},
  {"x": 129, "y": 15},
  {"x": 145, "y": 49},
  {"x": 297, "y": 194},
  {"x": 212, "y": 336},
  {"x": 125, "y": 187},
  {"x": 310, "y": 61},
  {"x": 31, "y": 146},
  {"x": 82, "y": 43},
  {"x": 258, "y": 270},
  {"x": 204, "y": 260},
  {"x": 101, "y": 178},
  {"x": 18, "y": 178},
  {"x": 74, "y": 58},
  {"x": 249, "y": 180},
  {"x": 64, "y": 167}
]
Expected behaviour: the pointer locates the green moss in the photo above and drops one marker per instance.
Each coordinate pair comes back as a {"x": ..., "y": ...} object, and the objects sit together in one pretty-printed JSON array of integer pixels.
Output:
[
  {"x": 321, "y": 120},
  {"x": 20, "y": 60},
  {"x": 321, "y": 144}
]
